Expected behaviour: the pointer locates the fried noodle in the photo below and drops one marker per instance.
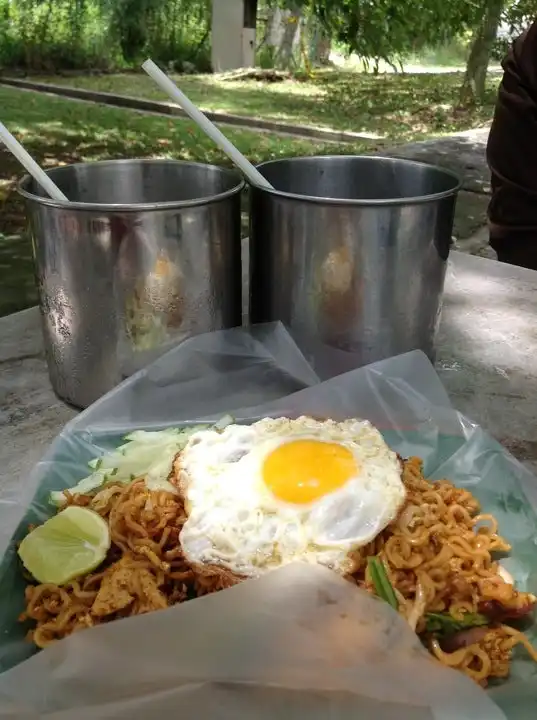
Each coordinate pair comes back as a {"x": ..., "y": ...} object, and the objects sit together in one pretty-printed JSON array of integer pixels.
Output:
[{"x": 438, "y": 555}]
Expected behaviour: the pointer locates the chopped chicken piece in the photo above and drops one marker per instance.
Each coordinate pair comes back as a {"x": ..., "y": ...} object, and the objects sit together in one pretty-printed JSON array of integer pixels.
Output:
[{"x": 127, "y": 583}]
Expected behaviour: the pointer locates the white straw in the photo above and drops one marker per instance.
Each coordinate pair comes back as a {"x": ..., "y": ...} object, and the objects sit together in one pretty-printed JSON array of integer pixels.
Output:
[
  {"x": 169, "y": 87},
  {"x": 30, "y": 164}
]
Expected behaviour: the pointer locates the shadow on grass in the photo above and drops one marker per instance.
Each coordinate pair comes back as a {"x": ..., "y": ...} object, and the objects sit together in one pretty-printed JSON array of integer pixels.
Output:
[
  {"x": 394, "y": 106},
  {"x": 291, "y": 101},
  {"x": 58, "y": 132},
  {"x": 17, "y": 285},
  {"x": 410, "y": 106}
]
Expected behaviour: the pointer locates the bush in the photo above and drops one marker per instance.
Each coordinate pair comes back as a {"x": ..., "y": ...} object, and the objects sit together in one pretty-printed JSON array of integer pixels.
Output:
[{"x": 103, "y": 35}]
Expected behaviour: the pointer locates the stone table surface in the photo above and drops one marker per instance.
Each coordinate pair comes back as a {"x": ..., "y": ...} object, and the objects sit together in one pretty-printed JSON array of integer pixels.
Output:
[
  {"x": 487, "y": 360},
  {"x": 465, "y": 154}
]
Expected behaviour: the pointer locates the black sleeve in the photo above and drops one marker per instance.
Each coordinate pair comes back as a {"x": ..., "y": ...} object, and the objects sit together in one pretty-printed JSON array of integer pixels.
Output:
[{"x": 512, "y": 146}]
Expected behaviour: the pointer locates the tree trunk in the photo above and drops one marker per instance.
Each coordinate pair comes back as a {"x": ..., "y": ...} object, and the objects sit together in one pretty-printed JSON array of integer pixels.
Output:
[
  {"x": 274, "y": 31},
  {"x": 290, "y": 42},
  {"x": 474, "y": 84},
  {"x": 269, "y": 29},
  {"x": 324, "y": 48},
  {"x": 320, "y": 43},
  {"x": 77, "y": 17}
]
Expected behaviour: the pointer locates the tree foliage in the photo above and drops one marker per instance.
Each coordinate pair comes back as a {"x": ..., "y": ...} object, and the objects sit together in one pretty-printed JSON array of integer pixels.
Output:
[
  {"x": 483, "y": 40},
  {"x": 513, "y": 17},
  {"x": 517, "y": 15},
  {"x": 49, "y": 35},
  {"x": 390, "y": 29}
]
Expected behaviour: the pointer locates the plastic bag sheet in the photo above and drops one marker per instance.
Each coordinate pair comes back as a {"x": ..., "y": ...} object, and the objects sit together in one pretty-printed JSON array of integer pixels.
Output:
[
  {"x": 301, "y": 643},
  {"x": 206, "y": 376},
  {"x": 251, "y": 374}
]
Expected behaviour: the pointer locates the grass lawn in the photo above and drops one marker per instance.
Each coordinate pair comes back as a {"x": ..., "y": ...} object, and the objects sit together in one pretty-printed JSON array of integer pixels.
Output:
[
  {"x": 57, "y": 131},
  {"x": 392, "y": 106}
]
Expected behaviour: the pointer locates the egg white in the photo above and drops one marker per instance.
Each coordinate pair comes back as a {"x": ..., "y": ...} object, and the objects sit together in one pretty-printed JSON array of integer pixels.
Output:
[{"x": 235, "y": 521}]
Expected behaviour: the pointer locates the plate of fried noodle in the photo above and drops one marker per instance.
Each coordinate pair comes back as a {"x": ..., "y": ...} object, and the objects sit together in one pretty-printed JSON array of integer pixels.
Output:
[
  {"x": 438, "y": 563},
  {"x": 452, "y": 549}
]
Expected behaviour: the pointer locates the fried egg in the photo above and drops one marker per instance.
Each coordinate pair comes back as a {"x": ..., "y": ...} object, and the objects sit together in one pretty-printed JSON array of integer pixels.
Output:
[{"x": 285, "y": 490}]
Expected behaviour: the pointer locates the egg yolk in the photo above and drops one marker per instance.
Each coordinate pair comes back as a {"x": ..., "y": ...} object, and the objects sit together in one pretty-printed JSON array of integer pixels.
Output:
[{"x": 301, "y": 471}]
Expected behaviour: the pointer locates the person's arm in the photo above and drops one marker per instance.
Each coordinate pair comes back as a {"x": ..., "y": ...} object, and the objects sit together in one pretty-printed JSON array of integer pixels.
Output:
[{"x": 512, "y": 156}]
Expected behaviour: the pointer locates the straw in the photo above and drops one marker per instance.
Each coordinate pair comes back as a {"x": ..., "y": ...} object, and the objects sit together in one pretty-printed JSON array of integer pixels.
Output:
[
  {"x": 30, "y": 164},
  {"x": 169, "y": 87}
]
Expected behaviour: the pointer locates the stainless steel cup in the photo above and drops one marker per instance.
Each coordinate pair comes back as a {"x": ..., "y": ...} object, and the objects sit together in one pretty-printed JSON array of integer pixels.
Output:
[
  {"x": 352, "y": 251},
  {"x": 147, "y": 253}
]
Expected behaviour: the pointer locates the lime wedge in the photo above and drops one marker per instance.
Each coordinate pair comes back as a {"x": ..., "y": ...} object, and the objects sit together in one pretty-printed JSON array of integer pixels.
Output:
[{"x": 72, "y": 543}]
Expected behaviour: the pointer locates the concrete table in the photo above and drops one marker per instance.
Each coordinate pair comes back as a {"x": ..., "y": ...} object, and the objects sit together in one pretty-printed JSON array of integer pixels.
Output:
[{"x": 487, "y": 359}]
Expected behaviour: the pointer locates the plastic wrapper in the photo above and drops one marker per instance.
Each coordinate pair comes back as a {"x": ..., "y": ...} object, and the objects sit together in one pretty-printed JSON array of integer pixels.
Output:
[{"x": 300, "y": 642}]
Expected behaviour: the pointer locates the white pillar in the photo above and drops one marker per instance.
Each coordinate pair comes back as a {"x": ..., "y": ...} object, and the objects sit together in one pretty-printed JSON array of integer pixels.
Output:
[{"x": 233, "y": 45}]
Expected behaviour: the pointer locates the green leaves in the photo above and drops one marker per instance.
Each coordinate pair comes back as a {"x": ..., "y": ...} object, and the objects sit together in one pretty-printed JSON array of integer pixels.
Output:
[
  {"x": 100, "y": 34},
  {"x": 388, "y": 29},
  {"x": 381, "y": 581},
  {"x": 437, "y": 623},
  {"x": 445, "y": 624}
]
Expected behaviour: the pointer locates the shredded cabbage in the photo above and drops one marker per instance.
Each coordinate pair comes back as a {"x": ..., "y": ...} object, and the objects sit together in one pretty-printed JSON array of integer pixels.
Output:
[{"x": 147, "y": 454}]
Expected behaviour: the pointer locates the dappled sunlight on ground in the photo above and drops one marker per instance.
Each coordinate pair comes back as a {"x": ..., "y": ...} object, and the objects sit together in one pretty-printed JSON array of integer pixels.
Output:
[
  {"x": 17, "y": 286},
  {"x": 58, "y": 131},
  {"x": 463, "y": 154},
  {"x": 398, "y": 108},
  {"x": 393, "y": 106}
]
